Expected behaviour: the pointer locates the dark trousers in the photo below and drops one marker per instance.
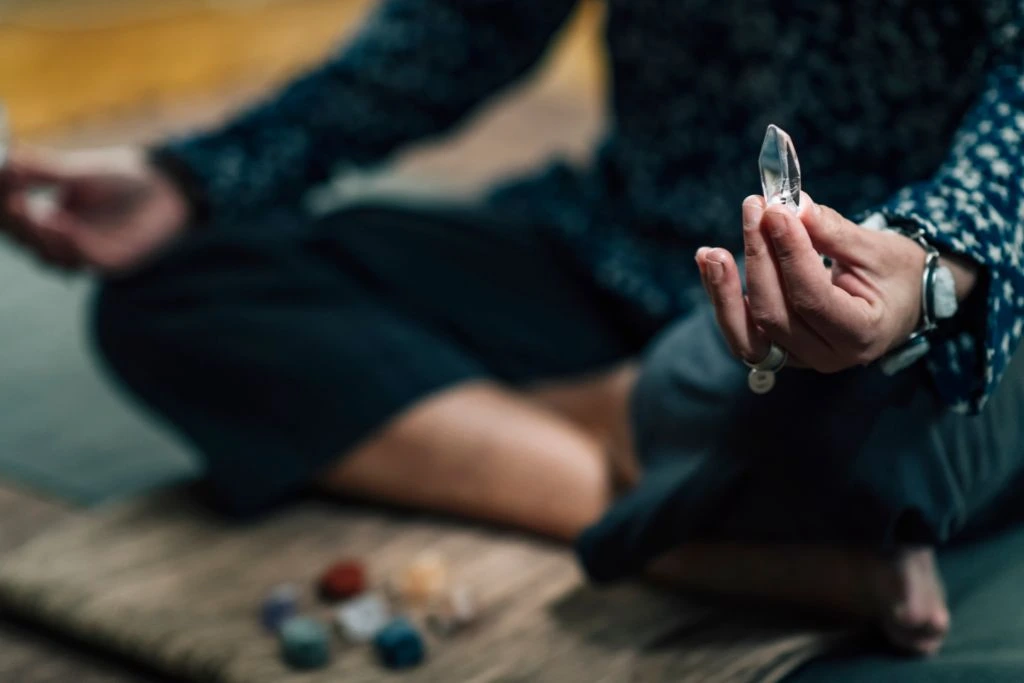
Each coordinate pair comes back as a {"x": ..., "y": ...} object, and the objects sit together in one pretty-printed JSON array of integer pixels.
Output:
[
  {"x": 276, "y": 347},
  {"x": 855, "y": 457}
]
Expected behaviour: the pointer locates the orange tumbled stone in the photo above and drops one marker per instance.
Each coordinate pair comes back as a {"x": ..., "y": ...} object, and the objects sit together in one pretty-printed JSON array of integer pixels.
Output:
[{"x": 423, "y": 580}]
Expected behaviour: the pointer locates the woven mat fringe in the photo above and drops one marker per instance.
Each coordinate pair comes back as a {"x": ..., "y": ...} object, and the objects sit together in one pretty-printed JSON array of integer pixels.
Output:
[{"x": 162, "y": 583}]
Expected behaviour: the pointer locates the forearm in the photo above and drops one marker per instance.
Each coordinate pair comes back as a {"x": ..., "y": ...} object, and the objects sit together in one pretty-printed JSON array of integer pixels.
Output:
[
  {"x": 413, "y": 71},
  {"x": 970, "y": 210}
]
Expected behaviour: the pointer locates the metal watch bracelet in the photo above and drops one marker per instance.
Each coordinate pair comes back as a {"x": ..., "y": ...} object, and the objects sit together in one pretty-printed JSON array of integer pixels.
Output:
[
  {"x": 917, "y": 344},
  {"x": 929, "y": 320}
]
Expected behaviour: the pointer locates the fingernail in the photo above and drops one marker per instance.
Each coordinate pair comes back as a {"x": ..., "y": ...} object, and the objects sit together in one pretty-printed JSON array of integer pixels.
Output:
[
  {"x": 808, "y": 204},
  {"x": 716, "y": 270},
  {"x": 753, "y": 209},
  {"x": 700, "y": 253},
  {"x": 755, "y": 200}
]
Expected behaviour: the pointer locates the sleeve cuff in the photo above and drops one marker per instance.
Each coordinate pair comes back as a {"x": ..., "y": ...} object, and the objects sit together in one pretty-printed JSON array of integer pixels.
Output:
[{"x": 969, "y": 352}]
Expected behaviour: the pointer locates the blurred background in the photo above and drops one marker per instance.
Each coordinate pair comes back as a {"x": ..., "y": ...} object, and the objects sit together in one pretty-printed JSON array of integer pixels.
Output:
[{"x": 86, "y": 73}]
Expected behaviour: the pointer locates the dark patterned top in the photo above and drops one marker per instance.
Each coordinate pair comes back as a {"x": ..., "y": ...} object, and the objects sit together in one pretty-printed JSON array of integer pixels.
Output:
[{"x": 914, "y": 108}]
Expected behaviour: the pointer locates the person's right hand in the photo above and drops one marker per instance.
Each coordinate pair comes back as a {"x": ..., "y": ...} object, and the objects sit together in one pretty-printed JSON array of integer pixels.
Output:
[{"x": 108, "y": 210}]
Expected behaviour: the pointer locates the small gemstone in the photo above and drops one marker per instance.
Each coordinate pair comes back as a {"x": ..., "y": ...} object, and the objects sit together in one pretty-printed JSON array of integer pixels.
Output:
[
  {"x": 399, "y": 645},
  {"x": 455, "y": 610},
  {"x": 280, "y": 605},
  {"x": 342, "y": 580},
  {"x": 780, "y": 168},
  {"x": 363, "y": 618},
  {"x": 423, "y": 580},
  {"x": 305, "y": 643}
]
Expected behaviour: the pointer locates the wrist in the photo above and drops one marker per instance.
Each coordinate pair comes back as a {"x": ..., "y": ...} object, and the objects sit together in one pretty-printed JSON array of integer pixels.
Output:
[
  {"x": 917, "y": 259},
  {"x": 911, "y": 343},
  {"x": 937, "y": 300},
  {"x": 945, "y": 281}
]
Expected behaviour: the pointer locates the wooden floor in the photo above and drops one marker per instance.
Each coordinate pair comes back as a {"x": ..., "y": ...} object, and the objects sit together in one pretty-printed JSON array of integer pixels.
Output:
[{"x": 68, "y": 62}]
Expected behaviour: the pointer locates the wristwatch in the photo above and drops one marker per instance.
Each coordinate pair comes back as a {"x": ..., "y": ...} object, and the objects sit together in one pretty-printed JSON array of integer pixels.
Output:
[{"x": 938, "y": 302}]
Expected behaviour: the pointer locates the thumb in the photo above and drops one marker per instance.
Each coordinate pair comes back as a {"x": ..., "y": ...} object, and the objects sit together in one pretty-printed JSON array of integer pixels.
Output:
[{"x": 830, "y": 232}]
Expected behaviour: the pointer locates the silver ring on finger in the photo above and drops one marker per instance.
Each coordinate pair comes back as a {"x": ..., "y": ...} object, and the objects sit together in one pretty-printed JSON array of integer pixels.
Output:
[{"x": 761, "y": 379}]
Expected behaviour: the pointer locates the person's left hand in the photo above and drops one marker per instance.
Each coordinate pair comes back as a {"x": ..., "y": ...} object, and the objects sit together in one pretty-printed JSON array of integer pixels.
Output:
[
  {"x": 828, "y": 319},
  {"x": 111, "y": 209}
]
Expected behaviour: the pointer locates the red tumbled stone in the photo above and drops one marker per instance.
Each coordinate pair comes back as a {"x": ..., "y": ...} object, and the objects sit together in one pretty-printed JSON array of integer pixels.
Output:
[{"x": 342, "y": 580}]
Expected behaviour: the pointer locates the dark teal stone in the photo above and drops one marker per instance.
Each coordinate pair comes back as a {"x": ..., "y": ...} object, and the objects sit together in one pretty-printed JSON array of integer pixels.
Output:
[
  {"x": 399, "y": 645},
  {"x": 305, "y": 643}
]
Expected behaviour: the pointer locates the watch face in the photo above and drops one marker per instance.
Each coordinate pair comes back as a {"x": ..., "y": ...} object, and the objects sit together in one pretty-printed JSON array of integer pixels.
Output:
[{"x": 944, "y": 294}]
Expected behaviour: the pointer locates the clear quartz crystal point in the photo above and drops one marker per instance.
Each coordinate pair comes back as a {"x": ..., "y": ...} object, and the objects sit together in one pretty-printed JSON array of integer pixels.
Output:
[{"x": 780, "y": 169}]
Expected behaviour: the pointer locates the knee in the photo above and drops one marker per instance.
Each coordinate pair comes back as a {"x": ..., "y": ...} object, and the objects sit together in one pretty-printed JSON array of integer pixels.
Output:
[
  {"x": 687, "y": 389},
  {"x": 655, "y": 402},
  {"x": 119, "y": 332},
  {"x": 132, "y": 315}
]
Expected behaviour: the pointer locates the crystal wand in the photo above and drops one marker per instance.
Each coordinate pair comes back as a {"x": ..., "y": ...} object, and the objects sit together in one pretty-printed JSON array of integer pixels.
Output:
[
  {"x": 780, "y": 181},
  {"x": 780, "y": 169}
]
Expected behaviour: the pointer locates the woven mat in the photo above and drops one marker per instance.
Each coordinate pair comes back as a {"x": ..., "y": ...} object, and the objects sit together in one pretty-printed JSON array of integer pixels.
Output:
[{"x": 162, "y": 582}]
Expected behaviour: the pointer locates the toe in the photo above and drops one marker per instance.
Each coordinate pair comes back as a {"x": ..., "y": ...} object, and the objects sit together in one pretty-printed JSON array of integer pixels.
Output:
[{"x": 916, "y": 633}]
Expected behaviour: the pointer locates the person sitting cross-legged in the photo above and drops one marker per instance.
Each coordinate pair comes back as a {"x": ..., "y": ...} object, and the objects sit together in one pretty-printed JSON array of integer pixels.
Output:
[{"x": 527, "y": 358}]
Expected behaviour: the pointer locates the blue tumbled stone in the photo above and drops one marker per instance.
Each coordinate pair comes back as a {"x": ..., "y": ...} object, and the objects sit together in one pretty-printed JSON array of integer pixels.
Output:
[
  {"x": 399, "y": 645},
  {"x": 281, "y": 605}
]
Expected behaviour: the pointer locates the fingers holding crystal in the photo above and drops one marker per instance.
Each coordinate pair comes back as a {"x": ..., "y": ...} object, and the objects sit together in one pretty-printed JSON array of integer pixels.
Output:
[
  {"x": 792, "y": 302},
  {"x": 833, "y": 234},
  {"x": 764, "y": 288},
  {"x": 834, "y": 312},
  {"x": 722, "y": 282},
  {"x": 767, "y": 298},
  {"x": 808, "y": 284}
]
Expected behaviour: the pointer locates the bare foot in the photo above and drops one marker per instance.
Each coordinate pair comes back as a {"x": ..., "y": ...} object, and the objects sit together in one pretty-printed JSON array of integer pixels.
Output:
[
  {"x": 902, "y": 594},
  {"x": 914, "y": 616}
]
